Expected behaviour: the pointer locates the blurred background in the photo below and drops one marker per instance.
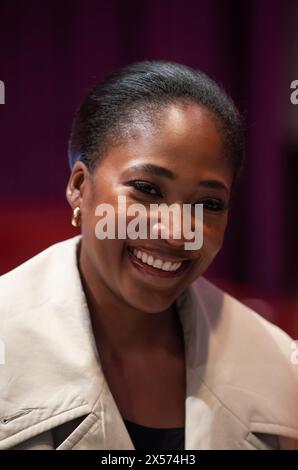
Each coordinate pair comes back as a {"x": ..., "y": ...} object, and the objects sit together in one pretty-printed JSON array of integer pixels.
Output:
[{"x": 51, "y": 52}]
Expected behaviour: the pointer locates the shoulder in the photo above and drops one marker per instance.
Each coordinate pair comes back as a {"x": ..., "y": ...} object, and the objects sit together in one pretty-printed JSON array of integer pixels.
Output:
[
  {"x": 37, "y": 279},
  {"x": 41, "y": 301},
  {"x": 47, "y": 337},
  {"x": 243, "y": 359},
  {"x": 229, "y": 318}
]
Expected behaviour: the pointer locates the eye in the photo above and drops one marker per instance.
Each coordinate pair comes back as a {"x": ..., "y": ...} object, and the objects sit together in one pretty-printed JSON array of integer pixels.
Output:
[
  {"x": 213, "y": 205},
  {"x": 145, "y": 187}
]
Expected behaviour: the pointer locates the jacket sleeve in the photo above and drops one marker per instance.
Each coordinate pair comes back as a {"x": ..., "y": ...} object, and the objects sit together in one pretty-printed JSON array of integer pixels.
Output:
[{"x": 42, "y": 441}]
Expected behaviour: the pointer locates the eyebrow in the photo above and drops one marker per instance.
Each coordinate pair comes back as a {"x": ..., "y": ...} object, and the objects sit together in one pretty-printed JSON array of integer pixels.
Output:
[
  {"x": 152, "y": 169},
  {"x": 161, "y": 171},
  {"x": 214, "y": 184}
]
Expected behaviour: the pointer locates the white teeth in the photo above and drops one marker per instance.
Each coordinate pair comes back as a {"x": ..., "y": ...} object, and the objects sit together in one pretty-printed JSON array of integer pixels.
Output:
[
  {"x": 150, "y": 260},
  {"x": 156, "y": 263},
  {"x": 166, "y": 266}
]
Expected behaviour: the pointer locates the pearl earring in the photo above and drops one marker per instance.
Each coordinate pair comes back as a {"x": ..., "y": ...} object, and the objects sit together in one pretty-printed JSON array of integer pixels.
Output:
[{"x": 76, "y": 217}]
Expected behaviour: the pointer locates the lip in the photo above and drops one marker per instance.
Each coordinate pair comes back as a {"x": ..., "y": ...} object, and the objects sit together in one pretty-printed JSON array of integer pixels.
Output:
[
  {"x": 163, "y": 254},
  {"x": 159, "y": 273}
]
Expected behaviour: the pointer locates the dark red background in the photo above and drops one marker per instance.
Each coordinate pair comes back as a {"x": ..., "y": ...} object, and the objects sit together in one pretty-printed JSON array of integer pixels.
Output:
[{"x": 52, "y": 51}]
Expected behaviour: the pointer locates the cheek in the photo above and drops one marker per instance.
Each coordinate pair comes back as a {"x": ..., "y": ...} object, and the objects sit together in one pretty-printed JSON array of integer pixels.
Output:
[
  {"x": 213, "y": 237},
  {"x": 106, "y": 255},
  {"x": 108, "y": 262}
]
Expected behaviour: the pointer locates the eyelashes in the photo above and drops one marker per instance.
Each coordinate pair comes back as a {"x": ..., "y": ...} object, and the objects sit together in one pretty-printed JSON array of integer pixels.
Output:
[
  {"x": 214, "y": 206},
  {"x": 147, "y": 188}
]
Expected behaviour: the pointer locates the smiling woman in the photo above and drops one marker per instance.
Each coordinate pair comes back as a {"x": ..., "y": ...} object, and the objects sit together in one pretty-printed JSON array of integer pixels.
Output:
[{"x": 120, "y": 343}]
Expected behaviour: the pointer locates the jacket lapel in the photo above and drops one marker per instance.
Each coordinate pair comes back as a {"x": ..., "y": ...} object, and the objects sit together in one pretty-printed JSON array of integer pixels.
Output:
[{"x": 59, "y": 377}]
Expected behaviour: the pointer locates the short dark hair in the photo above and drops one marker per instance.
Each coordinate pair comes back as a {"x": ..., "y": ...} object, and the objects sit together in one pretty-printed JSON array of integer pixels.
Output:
[{"x": 145, "y": 88}]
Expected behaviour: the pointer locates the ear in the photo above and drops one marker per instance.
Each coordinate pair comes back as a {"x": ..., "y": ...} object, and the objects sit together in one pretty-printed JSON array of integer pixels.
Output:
[{"x": 77, "y": 184}]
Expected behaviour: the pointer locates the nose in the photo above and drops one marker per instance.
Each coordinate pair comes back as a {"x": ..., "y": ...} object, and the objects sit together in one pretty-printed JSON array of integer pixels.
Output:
[{"x": 181, "y": 225}]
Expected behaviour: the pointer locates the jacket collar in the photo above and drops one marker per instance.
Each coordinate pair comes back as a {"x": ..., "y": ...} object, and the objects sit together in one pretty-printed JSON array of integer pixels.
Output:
[
  {"x": 65, "y": 378},
  {"x": 60, "y": 375}
]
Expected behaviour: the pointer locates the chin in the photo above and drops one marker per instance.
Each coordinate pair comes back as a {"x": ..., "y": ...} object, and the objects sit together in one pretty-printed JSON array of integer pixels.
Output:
[{"x": 152, "y": 307}]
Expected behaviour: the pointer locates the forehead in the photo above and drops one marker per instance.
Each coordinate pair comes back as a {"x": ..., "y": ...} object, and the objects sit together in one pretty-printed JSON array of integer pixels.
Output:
[{"x": 184, "y": 137}]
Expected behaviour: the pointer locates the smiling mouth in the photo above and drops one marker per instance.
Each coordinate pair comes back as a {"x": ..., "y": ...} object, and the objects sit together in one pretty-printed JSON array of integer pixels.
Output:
[{"x": 155, "y": 266}]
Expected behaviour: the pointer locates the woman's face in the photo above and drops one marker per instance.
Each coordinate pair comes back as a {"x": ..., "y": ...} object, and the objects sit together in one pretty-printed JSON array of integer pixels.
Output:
[{"x": 188, "y": 146}]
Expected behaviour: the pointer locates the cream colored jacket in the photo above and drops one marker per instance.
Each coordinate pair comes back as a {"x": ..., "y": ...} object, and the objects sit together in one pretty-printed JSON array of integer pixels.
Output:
[{"x": 242, "y": 389}]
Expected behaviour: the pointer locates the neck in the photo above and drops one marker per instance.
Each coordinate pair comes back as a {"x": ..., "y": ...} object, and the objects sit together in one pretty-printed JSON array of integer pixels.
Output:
[{"x": 120, "y": 329}]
